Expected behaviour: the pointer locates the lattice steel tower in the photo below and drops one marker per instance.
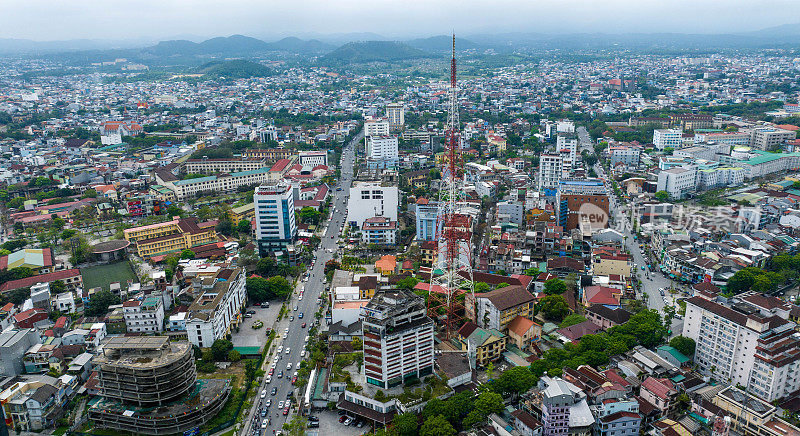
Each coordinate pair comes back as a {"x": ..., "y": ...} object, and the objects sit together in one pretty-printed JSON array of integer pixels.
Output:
[{"x": 451, "y": 272}]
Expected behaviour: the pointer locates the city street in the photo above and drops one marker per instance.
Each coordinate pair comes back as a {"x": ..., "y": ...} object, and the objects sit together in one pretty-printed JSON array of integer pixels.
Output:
[
  {"x": 295, "y": 339},
  {"x": 652, "y": 282}
]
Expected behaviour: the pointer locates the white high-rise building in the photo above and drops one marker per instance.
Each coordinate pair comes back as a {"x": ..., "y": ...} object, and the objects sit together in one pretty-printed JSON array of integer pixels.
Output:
[
  {"x": 376, "y": 127},
  {"x": 370, "y": 199},
  {"x": 551, "y": 169},
  {"x": 396, "y": 113},
  {"x": 567, "y": 147},
  {"x": 747, "y": 341},
  {"x": 382, "y": 151},
  {"x": 398, "y": 338},
  {"x": 663, "y": 138},
  {"x": 274, "y": 214}
]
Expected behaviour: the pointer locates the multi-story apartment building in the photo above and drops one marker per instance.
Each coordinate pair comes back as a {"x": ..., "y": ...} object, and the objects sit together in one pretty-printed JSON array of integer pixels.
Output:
[
  {"x": 496, "y": 309},
  {"x": 33, "y": 405},
  {"x": 769, "y": 138},
  {"x": 214, "y": 166},
  {"x": 678, "y": 182},
  {"x": 551, "y": 168},
  {"x": 664, "y": 138},
  {"x": 510, "y": 211},
  {"x": 376, "y": 127},
  {"x": 427, "y": 215},
  {"x": 144, "y": 316},
  {"x": 370, "y": 199},
  {"x": 313, "y": 158},
  {"x": 624, "y": 154},
  {"x": 381, "y": 152},
  {"x": 270, "y": 154},
  {"x": 398, "y": 338},
  {"x": 217, "y": 308},
  {"x": 275, "y": 218},
  {"x": 379, "y": 230},
  {"x": 561, "y": 407},
  {"x": 396, "y": 114},
  {"x": 748, "y": 341},
  {"x": 170, "y": 236},
  {"x": 567, "y": 147}
]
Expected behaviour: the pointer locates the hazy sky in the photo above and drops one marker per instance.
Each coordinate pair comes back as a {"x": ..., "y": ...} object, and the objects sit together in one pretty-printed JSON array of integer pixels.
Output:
[{"x": 158, "y": 19}]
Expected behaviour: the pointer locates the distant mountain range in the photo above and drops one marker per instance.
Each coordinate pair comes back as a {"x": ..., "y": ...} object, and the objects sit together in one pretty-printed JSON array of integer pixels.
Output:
[
  {"x": 349, "y": 48},
  {"x": 236, "y": 45}
]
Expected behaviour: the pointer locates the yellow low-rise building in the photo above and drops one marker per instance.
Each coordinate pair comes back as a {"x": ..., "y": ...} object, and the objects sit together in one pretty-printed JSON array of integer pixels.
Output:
[
  {"x": 176, "y": 235},
  {"x": 489, "y": 344}
]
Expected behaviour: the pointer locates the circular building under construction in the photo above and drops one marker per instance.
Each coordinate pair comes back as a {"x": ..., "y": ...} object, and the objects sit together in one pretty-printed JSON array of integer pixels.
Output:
[{"x": 148, "y": 385}]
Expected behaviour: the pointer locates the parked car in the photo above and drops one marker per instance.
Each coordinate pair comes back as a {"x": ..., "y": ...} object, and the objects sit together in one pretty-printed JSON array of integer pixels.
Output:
[{"x": 274, "y": 391}]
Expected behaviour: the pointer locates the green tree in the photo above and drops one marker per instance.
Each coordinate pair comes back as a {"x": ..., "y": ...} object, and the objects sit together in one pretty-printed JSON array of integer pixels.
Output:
[
  {"x": 234, "y": 356},
  {"x": 533, "y": 272},
  {"x": 405, "y": 424},
  {"x": 243, "y": 227},
  {"x": 662, "y": 196},
  {"x": 297, "y": 426},
  {"x": 57, "y": 287},
  {"x": 481, "y": 287},
  {"x": 309, "y": 215},
  {"x": 173, "y": 210},
  {"x": 99, "y": 302},
  {"x": 554, "y": 308},
  {"x": 555, "y": 287},
  {"x": 683, "y": 344},
  {"x": 437, "y": 426},
  {"x": 220, "y": 349},
  {"x": 407, "y": 283},
  {"x": 187, "y": 254},
  {"x": 515, "y": 381}
]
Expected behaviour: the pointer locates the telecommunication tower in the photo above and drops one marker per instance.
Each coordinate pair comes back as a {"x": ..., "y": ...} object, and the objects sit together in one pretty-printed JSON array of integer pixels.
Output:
[{"x": 451, "y": 272}]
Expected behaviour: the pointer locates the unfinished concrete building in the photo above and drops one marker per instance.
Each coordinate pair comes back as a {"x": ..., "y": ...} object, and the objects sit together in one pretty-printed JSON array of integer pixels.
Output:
[{"x": 148, "y": 385}]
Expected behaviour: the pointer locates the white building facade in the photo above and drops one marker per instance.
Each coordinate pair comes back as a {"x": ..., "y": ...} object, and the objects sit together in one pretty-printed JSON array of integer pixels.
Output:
[{"x": 275, "y": 218}]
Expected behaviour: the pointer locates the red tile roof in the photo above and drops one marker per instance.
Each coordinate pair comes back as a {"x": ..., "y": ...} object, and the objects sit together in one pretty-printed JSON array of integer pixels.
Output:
[
  {"x": 43, "y": 278},
  {"x": 660, "y": 387}
]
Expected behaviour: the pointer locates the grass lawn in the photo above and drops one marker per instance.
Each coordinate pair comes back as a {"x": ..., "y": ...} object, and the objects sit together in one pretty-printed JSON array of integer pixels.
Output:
[{"x": 103, "y": 275}]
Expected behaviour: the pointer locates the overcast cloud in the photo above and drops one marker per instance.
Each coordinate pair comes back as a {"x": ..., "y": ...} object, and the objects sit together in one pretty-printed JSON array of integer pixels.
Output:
[{"x": 158, "y": 19}]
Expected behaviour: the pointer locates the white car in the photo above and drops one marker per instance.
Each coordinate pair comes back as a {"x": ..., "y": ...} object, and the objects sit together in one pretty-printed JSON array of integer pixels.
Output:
[
  {"x": 280, "y": 349},
  {"x": 286, "y": 331},
  {"x": 269, "y": 380},
  {"x": 288, "y": 350},
  {"x": 263, "y": 394},
  {"x": 288, "y": 367},
  {"x": 280, "y": 405}
]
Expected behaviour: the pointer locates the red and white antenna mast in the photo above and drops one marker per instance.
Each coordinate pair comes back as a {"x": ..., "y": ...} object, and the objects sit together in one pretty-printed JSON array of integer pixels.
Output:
[{"x": 451, "y": 272}]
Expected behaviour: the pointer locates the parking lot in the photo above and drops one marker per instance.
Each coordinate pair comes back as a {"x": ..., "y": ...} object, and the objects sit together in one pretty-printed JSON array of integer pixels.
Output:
[
  {"x": 329, "y": 425},
  {"x": 247, "y": 336}
]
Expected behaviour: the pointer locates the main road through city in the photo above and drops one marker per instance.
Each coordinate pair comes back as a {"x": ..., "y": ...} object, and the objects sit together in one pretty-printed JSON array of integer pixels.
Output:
[
  {"x": 652, "y": 282},
  {"x": 294, "y": 340}
]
